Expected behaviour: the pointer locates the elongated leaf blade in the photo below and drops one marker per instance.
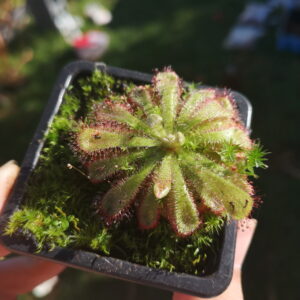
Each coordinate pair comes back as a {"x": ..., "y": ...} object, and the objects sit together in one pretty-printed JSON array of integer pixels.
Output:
[
  {"x": 122, "y": 114},
  {"x": 221, "y": 130},
  {"x": 101, "y": 169},
  {"x": 93, "y": 139},
  {"x": 242, "y": 182},
  {"x": 209, "y": 109},
  {"x": 190, "y": 167},
  {"x": 168, "y": 87},
  {"x": 120, "y": 197},
  {"x": 140, "y": 141},
  {"x": 182, "y": 211},
  {"x": 227, "y": 102},
  {"x": 218, "y": 191},
  {"x": 148, "y": 210},
  {"x": 194, "y": 100},
  {"x": 233, "y": 135},
  {"x": 215, "y": 124},
  {"x": 163, "y": 178},
  {"x": 142, "y": 97},
  {"x": 90, "y": 139}
]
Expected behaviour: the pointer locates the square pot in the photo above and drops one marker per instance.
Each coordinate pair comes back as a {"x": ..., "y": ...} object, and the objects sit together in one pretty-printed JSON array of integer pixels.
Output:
[{"x": 203, "y": 286}]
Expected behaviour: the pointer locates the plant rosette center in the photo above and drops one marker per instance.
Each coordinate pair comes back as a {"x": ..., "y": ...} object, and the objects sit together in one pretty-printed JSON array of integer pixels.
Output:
[
  {"x": 170, "y": 151},
  {"x": 173, "y": 142}
]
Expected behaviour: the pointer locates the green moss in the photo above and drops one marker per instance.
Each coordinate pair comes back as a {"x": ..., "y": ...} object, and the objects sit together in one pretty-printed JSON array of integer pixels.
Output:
[{"x": 60, "y": 206}]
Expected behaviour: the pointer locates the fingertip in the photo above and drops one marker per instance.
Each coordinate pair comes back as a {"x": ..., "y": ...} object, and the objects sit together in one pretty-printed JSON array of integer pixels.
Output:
[
  {"x": 247, "y": 225},
  {"x": 244, "y": 238},
  {"x": 9, "y": 163},
  {"x": 252, "y": 223},
  {"x": 3, "y": 252},
  {"x": 21, "y": 274},
  {"x": 9, "y": 169},
  {"x": 8, "y": 174}
]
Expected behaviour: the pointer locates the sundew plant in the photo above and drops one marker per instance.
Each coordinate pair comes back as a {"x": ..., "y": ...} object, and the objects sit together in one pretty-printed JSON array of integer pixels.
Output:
[
  {"x": 171, "y": 152},
  {"x": 162, "y": 166}
]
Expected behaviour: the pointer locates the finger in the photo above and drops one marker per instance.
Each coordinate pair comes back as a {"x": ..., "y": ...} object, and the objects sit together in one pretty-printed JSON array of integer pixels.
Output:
[
  {"x": 178, "y": 296},
  {"x": 20, "y": 275},
  {"x": 234, "y": 291},
  {"x": 244, "y": 237},
  {"x": 8, "y": 175},
  {"x": 45, "y": 288}
]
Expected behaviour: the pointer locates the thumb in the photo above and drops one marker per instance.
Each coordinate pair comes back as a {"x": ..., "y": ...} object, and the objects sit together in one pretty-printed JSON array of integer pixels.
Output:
[
  {"x": 8, "y": 175},
  {"x": 234, "y": 291},
  {"x": 243, "y": 240}
]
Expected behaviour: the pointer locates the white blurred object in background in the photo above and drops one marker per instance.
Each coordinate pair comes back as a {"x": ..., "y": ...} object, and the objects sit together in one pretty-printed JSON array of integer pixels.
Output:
[
  {"x": 98, "y": 14},
  {"x": 45, "y": 288},
  {"x": 91, "y": 45},
  {"x": 250, "y": 26}
]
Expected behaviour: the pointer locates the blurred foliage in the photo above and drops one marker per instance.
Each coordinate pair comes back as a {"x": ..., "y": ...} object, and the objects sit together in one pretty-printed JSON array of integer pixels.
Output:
[
  {"x": 10, "y": 66},
  {"x": 6, "y": 7},
  {"x": 188, "y": 35}
]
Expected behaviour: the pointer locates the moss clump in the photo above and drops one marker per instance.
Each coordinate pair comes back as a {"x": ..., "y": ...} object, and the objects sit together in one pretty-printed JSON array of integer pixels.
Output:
[{"x": 59, "y": 205}]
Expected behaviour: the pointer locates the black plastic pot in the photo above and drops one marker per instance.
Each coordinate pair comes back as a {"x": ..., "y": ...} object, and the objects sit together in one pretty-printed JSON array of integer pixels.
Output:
[{"x": 206, "y": 286}]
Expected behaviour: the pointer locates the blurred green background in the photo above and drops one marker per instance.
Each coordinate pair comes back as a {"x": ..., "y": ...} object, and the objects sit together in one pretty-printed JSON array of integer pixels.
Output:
[{"x": 187, "y": 35}]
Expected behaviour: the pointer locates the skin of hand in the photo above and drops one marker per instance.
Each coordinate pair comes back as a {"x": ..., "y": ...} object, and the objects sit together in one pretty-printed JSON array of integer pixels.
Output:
[
  {"x": 234, "y": 290},
  {"x": 20, "y": 275}
]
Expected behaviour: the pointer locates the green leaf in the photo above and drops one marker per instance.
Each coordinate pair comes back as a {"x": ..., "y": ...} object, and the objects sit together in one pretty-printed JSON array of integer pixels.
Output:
[
  {"x": 191, "y": 161},
  {"x": 223, "y": 194},
  {"x": 228, "y": 153},
  {"x": 182, "y": 211},
  {"x": 241, "y": 181},
  {"x": 140, "y": 141},
  {"x": 167, "y": 85},
  {"x": 90, "y": 139},
  {"x": 208, "y": 109},
  {"x": 120, "y": 113},
  {"x": 255, "y": 159},
  {"x": 119, "y": 197},
  {"x": 215, "y": 124},
  {"x": 142, "y": 96},
  {"x": 193, "y": 100},
  {"x": 241, "y": 138},
  {"x": 148, "y": 210},
  {"x": 227, "y": 102},
  {"x": 219, "y": 131},
  {"x": 163, "y": 178},
  {"x": 99, "y": 170},
  {"x": 218, "y": 192}
]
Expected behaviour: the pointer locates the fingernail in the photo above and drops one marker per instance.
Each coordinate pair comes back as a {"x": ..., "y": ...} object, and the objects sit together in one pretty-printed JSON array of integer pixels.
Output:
[{"x": 8, "y": 164}]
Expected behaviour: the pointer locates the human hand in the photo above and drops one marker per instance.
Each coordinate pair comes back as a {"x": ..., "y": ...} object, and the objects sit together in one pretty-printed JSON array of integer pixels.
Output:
[
  {"x": 19, "y": 275},
  {"x": 234, "y": 290}
]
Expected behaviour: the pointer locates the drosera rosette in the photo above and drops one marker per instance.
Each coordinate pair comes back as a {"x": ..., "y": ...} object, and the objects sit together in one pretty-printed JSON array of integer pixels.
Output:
[{"x": 172, "y": 152}]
